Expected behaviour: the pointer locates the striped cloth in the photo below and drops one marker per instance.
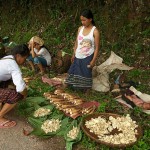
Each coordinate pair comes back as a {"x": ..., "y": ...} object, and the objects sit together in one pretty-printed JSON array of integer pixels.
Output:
[
  {"x": 7, "y": 95},
  {"x": 80, "y": 76}
]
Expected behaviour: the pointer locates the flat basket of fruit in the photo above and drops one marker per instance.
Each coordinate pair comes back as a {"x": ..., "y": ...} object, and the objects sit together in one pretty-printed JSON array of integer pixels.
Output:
[{"x": 112, "y": 130}]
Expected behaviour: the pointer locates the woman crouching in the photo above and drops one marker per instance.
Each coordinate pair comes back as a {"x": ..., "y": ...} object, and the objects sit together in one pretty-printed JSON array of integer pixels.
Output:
[
  {"x": 40, "y": 55},
  {"x": 11, "y": 73}
]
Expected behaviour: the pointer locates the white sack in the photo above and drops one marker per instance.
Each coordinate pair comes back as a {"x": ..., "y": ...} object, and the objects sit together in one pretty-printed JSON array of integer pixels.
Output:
[{"x": 101, "y": 73}]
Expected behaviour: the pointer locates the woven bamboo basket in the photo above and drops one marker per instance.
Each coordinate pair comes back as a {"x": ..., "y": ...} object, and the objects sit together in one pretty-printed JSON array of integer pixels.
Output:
[{"x": 115, "y": 131}]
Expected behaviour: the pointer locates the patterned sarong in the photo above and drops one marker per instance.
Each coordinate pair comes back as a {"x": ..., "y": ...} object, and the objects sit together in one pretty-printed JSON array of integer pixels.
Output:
[
  {"x": 7, "y": 95},
  {"x": 80, "y": 76}
]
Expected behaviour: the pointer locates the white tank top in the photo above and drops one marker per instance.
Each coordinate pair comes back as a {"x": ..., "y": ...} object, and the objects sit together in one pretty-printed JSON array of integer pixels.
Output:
[{"x": 86, "y": 44}]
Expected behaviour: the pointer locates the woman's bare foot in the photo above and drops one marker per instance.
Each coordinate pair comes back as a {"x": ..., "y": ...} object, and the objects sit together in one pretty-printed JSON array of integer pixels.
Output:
[
  {"x": 5, "y": 123},
  {"x": 3, "y": 119}
]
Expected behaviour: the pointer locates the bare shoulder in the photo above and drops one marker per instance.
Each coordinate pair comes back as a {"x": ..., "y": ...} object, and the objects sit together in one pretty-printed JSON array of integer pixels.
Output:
[
  {"x": 96, "y": 31},
  {"x": 79, "y": 28}
]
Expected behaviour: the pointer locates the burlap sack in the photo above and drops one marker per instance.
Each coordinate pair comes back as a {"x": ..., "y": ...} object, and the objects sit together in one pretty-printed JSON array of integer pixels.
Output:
[{"x": 101, "y": 73}]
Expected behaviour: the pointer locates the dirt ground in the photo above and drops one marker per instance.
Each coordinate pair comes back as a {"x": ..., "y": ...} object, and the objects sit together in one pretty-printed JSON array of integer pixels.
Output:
[{"x": 14, "y": 138}]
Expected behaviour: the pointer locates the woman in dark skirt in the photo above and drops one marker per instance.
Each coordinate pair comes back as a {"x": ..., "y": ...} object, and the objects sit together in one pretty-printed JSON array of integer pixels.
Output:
[
  {"x": 85, "y": 53},
  {"x": 12, "y": 85},
  {"x": 80, "y": 75}
]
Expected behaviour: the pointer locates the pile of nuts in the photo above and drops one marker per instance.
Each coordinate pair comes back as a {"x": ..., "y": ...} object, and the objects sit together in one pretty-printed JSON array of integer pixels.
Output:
[
  {"x": 73, "y": 133},
  {"x": 41, "y": 112},
  {"x": 102, "y": 127},
  {"x": 51, "y": 125}
]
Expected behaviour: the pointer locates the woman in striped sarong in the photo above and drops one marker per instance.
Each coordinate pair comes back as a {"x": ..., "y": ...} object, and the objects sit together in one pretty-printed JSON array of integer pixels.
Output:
[
  {"x": 85, "y": 53},
  {"x": 12, "y": 85}
]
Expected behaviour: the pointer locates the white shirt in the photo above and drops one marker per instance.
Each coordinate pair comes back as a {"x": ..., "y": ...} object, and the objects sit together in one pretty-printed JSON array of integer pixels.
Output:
[
  {"x": 45, "y": 54},
  {"x": 9, "y": 69},
  {"x": 86, "y": 45}
]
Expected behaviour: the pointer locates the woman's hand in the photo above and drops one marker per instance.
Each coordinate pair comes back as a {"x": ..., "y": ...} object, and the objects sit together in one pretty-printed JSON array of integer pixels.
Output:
[
  {"x": 72, "y": 58},
  {"x": 24, "y": 93},
  {"x": 32, "y": 45},
  {"x": 92, "y": 64}
]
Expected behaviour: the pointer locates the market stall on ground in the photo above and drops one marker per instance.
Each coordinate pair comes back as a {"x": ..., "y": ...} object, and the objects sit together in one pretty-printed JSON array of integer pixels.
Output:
[{"x": 62, "y": 113}]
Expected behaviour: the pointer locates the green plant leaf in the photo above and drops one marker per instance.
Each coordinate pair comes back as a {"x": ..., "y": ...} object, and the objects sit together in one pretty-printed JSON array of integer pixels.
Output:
[
  {"x": 37, "y": 100},
  {"x": 64, "y": 125},
  {"x": 70, "y": 141},
  {"x": 36, "y": 123}
]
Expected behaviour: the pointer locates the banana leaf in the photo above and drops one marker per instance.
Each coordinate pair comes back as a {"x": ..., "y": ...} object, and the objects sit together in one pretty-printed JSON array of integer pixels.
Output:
[
  {"x": 37, "y": 123},
  {"x": 36, "y": 100},
  {"x": 25, "y": 109},
  {"x": 47, "y": 107},
  {"x": 63, "y": 127},
  {"x": 28, "y": 110},
  {"x": 56, "y": 116},
  {"x": 70, "y": 141},
  {"x": 31, "y": 104}
]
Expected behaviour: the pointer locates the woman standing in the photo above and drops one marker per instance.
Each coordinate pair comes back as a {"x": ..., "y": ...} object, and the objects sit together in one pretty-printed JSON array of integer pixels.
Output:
[
  {"x": 85, "y": 53},
  {"x": 12, "y": 85}
]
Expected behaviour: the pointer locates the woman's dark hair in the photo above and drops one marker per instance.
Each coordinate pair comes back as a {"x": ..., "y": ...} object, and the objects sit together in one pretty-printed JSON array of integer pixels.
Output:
[
  {"x": 23, "y": 50},
  {"x": 87, "y": 13}
]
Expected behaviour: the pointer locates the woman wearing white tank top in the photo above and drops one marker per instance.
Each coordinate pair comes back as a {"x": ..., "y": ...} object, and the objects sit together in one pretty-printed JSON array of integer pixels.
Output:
[{"x": 85, "y": 53}]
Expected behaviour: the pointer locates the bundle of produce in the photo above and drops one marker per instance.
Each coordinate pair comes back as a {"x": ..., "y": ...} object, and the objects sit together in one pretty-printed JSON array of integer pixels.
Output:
[
  {"x": 68, "y": 108},
  {"x": 72, "y": 135},
  {"x": 70, "y": 104},
  {"x": 69, "y": 97},
  {"x": 51, "y": 125},
  {"x": 47, "y": 127},
  {"x": 43, "y": 111},
  {"x": 88, "y": 110}
]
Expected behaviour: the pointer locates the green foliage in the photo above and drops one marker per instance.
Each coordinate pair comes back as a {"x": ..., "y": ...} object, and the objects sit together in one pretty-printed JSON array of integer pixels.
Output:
[
  {"x": 27, "y": 107},
  {"x": 70, "y": 141},
  {"x": 88, "y": 144},
  {"x": 56, "y": 24},
  {"x": 146, "y": 32},
  {"x": 102, "y": 107},
  {"x": 36, "y": 88}
]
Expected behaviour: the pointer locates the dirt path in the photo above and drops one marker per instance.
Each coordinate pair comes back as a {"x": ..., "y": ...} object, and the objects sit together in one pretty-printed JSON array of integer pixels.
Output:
[{"x": 14, "y": 139}]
